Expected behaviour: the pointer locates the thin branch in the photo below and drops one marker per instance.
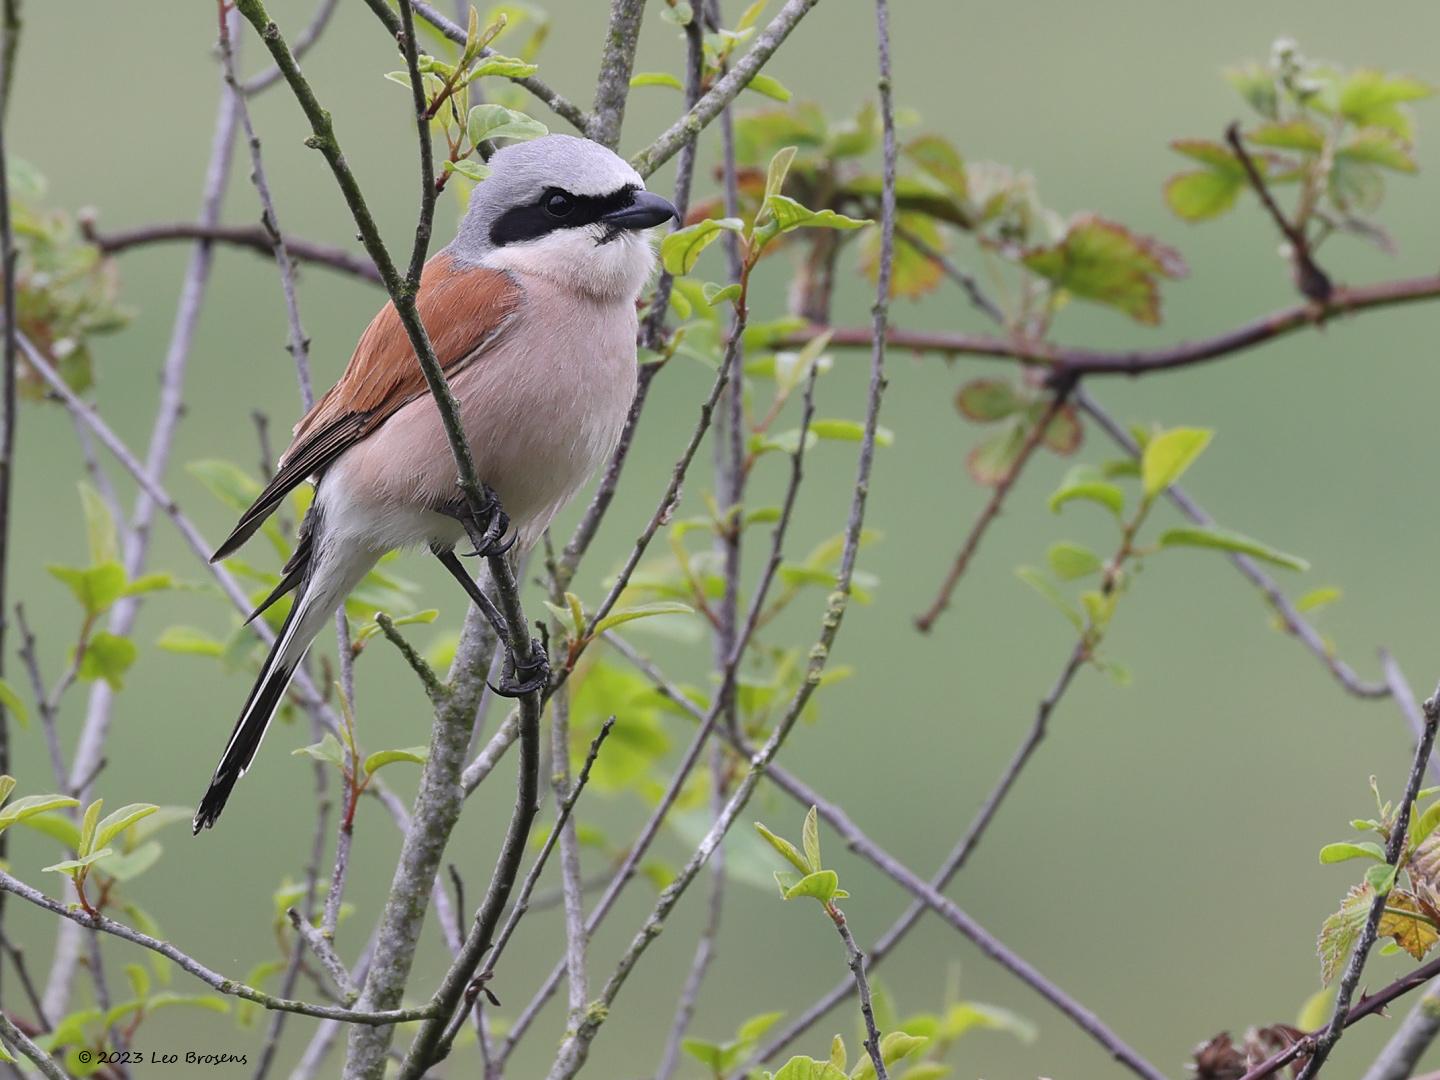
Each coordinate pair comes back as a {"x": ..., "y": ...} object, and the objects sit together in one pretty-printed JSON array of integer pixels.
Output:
[
  {"x": 1327, "y": 1039},
  {"x": 26, "y": 1046},
  {"x": 434, "y": 688},
  {"x": 322, "y": 945},
  {"x": 538, "y": 87},
  {"x": 991, "y": 510},
  {"x": 1413, "y": 1036},
  {"x": 1309, "y": 278},
  {"x": 1405, "y": 700},
  {"x": 724, "y": 91},
  {"x": 978, "y": 299},
  {"x": 303, "y": 41},
  {"x": 1067, "y": 361},
  {"x": 855, "y": 960},
  {"x": 1294, "y": 622},
  {"x": 213, "y": 979},
  {"x": 254, "y": 237},
  {"x": 575, "y": 937},
  {"x": 612, "y": 87}
]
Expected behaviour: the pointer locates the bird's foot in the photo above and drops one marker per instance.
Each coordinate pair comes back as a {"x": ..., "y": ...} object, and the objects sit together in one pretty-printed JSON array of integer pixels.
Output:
[
  {"x": 518, "y": 678},
  {"x": 486, "y": 525}
]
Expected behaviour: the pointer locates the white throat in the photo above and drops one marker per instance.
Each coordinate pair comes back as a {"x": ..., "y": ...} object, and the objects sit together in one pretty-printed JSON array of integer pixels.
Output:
[{"x": 574, "y": 260}]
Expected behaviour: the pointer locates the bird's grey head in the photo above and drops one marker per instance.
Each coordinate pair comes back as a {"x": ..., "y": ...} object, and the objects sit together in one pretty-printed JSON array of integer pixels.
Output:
[{"x": 564, "y": 208}]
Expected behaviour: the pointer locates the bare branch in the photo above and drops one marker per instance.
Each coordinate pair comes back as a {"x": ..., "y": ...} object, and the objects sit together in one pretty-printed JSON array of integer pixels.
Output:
[
  {"x": 612, "y": 88},
  {"x": 23, "y": 1043}
]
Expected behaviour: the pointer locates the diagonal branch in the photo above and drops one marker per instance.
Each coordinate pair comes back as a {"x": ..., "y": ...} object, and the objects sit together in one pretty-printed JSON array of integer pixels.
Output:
[{"x": 612, "y": 88}]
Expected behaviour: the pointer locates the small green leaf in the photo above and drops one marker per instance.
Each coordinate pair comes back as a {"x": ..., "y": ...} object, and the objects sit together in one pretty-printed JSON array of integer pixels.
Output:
[
  {"x": 490, "y": 121},
  {"x": 149, "y": 583},
  {"x": 118, "y": 821},
  {"x": 789, "y": 214},
  {"x": 1381, "y": 878},
  {"x": 11, "y": 700},
  {"x": 709, "y": 1054},
  {"x": 1168, "y": 455},
  {"x": 99, "y": 526},
  {"x": 894, "y": 1047},
  {"x": 805, "y": 1068},
  {"x": 938, "y": 158},
  {"x": 70, "y": 866},
  {"x": 768, "y": 85},
  {"x": 756, "y": 1026},
  {"x": 715, "y": 293},
  {"x": 1316, "y": 1011},
  {"x": 1202, "y": 194},
  {"x": 1334, "y": 853},
  {"x": 1083, "y": 482},
  {"x": 381, "y": 758},
  {"x": 989, "y": 399},
  {"x": 620, "y": 616},
  {"x": 471, "y": 170},
  {"x": 327, "y": 749},
  {"x": 108, "y": 656},
  {"x": 821, "y": 885},
  {"x": 1223, "y": 539},
  {"x": 785, "y": 848},
  {"x": 96, "y": 587},
  {"x": 681, "y": 249},
  {"x": 810, "y": 838},
  {"x": 189, "y": 641},
  {"x": 1422, "y": 825},
  {"x": 849, "y": 431},
  {"x": 1299, "y": 134},
  {"x": 31, "y": 805},
  {"x": 778, "y": 169},
  {"x": 656, "y": 78},
  {"x": 1070, "y": 561}
]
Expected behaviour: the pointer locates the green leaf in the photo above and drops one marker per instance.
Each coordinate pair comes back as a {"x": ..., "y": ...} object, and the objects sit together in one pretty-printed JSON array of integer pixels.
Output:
[
  {"x": 1300, "y": 134},
  {"x": 810, "y": 838},
  {"x": 227, "y": 481},
  {"x": 468, "y": 168},
  {"x": 709, "y": 1054},
  {"x": 1168, "y": 455},
  {"x": 1257, "y": 86},
  {"x": 805, "y": 1068},
  {"x": 89, "y": 821},
  {"x": 7, "y": 785},
  {"x": 1315, "y": 1012},
  {"x": 489, "y": 121},
  {"x": 1202, "y": 194},
  {"x": 756, "y": 1026},
  {"x": 620, "y": 616},
  {"x": 989, "y": 462},
  {"x": 1083, "y": 482},
  {"x": 1380, "y": 878},
  {"x": 789, "y": 214},
  {"x": 681, "y": 249},
  {"x": 822, "y": 885},
  {"x": 1223, "y": 539},
  {"x": 1070, "y": 561},
  {"x": 718, "y": 294},
  {"x": 913, "y": 273},
  {"x": 96, "y": 587},
  {"x": 108, "y": 656},
  {"x": 99, "y": 526},
  {"x": 776, "y": 172},
  {"x": 1375, "y": 146},
  {"x": 71, "y": 866},
  {"x": 1042, "y": 584},
  {"x": 938, "y": 159},
  {"x": 126, "y": 866},
  {"x": 415, "y": 618},
  {"x": 769, "y": 86},
  {"x": 327, "y": 749},
  {"x": 849, "y": 431},
  {"x": 31, "y": 805},
  {"x": 149, "y": 583},
  {"x": 1103, "y": 261},
  {"x": 16, "y": 707},
  {"x": 187, "y": 640},
  {"x": 1334, "y": 853},
  {"x": 785, "y": 848},
  {"x": 989, "y": 399},
  {"x": 118, "y": 821},
  {"x": 656, "y": 78},
  {"x": 895, "y": 1046},
  {"x": 838, "y": 1057},
  {"x": 381, "y": 758},
  {"x": 1370, "y": 98}
]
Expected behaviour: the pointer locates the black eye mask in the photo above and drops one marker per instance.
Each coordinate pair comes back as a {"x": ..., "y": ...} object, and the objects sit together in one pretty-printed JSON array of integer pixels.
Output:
[{"x": 558, "y": 209}]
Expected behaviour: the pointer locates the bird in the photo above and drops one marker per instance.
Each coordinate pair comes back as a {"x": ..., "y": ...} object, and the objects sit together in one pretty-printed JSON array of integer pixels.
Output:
[{"x": 532, "y": 313}]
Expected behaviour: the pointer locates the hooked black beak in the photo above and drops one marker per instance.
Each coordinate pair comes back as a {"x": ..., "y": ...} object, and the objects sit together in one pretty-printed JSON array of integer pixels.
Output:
[{"x": 646, "y": 211}]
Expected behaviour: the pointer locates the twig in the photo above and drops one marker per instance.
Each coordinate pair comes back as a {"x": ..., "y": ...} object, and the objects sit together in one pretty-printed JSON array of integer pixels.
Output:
[
  {"x": 1327, "y": 1039},
  {"x": 1369, "y": 1005},
  {"x": 1309, "y": 278},
  {"x": 254, "y": 237},
  {"x": 953, "y": 864},
  {"x": 926, "y": 621},
  {"x": 323, "y": 947},
  {"x": 299, "y": 346},
  {"x": 724, "y": 91},
  {"x": 538, "y": 87},
  {"x": 1294, "y": 622},
  {"x": 23, "y": 1043},
  {"x": 1405, "y": 700},
  {"x": 612, "y": 87},
  {"x": 966, "y": 281},
  {"x": 193, "y": 967},
  {"x": 575, "y": 937},
  {"x": 434, "y": 688},
  {"x": 1413, "y": 1036},
  {"x": 855, "y": 959},
  {"x": 17, "y": 957},
  {"x": 303, "y": 41}
]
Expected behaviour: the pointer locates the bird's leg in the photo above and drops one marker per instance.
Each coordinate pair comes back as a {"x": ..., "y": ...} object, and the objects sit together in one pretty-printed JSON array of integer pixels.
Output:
[
  {"x": 516, "y": 679},
  {"x": 486, "y": 527}
]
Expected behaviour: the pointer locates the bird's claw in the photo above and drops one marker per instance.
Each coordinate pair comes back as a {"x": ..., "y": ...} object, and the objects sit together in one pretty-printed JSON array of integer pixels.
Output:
[
  {"x": 516, "y": 679},
  {"x": 487, "y": 527}
]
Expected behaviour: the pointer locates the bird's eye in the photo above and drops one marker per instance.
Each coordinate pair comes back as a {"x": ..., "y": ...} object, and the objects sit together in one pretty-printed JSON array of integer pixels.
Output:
[{"x": 557, "y": 204}]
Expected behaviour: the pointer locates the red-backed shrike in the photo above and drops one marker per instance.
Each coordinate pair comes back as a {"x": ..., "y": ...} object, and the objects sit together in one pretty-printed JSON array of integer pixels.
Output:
[{"x": 532, "y": 313}]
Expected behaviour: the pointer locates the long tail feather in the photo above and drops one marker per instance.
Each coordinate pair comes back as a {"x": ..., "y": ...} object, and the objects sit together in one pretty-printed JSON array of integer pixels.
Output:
[{"x": 322, "y": 588}]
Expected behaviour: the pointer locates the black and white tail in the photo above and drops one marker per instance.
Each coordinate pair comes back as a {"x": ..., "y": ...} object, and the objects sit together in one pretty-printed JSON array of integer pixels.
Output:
[{"x": 322, "y": 575}]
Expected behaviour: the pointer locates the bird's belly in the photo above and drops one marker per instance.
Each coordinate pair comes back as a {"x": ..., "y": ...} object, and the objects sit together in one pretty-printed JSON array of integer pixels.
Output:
[{"x": 541, "y": 411}]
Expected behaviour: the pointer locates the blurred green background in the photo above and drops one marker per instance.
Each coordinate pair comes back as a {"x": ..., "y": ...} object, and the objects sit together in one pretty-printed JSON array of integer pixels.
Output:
[{"x": 1158, "y": 858}]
